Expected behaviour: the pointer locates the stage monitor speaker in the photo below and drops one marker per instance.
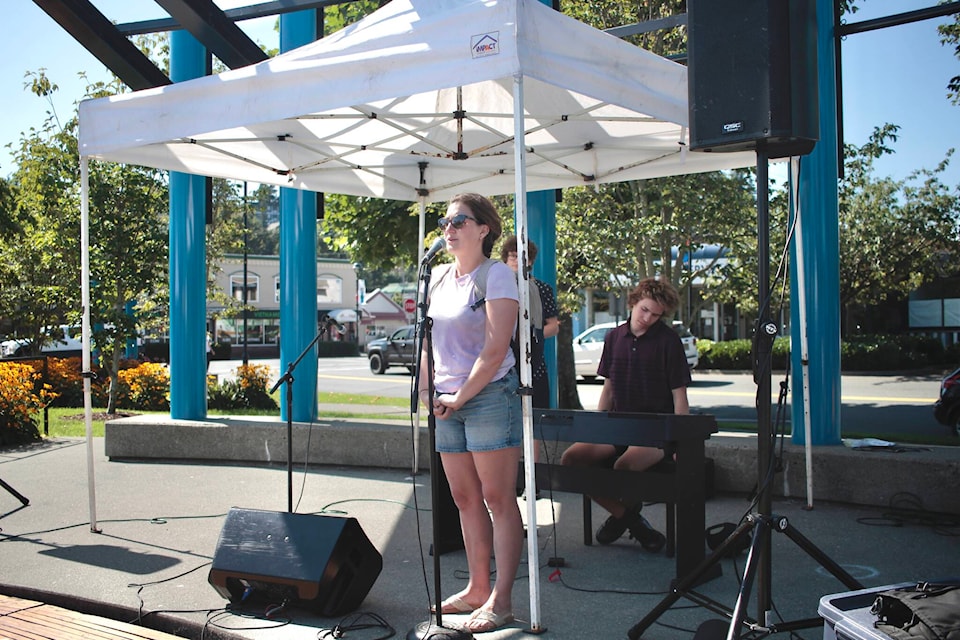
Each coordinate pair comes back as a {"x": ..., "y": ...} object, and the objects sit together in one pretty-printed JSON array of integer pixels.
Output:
[
  {"x": 752, "y": 75},
  {"x": 323, "y": 563}
]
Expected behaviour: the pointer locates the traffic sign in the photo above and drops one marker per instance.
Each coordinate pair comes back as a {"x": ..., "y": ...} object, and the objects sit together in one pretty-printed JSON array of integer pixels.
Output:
[{"x": 409, "y": 305}]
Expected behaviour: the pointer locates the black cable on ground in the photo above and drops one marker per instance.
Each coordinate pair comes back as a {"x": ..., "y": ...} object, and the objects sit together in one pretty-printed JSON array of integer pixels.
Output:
[{"x": 907, "y": 508}]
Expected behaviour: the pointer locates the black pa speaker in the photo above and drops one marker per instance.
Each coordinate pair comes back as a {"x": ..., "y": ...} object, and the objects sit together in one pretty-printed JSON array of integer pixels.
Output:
[
  {"x": 323, "y": 563},
  {"x": 752, "y": 76}
]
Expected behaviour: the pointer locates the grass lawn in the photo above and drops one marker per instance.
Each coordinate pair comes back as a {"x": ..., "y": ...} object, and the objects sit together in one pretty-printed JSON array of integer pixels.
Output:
[{"x": 68, "y": 422}]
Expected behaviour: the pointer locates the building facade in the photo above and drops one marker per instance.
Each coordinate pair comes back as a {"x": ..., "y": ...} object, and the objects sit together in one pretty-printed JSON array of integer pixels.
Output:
[{"x": 258, "y": 327}]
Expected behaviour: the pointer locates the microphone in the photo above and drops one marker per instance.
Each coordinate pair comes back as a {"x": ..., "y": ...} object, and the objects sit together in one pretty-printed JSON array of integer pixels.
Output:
[{"x": 438, "y": 245}]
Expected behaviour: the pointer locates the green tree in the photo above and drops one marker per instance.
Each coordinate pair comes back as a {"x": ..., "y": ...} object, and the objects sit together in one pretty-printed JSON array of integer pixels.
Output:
[
  {"x": 263, "y": 206},
  {"x": 606, "y": 14},
  {"x": 128, "y": 238},
  {"x": 230, "y": 229},
  {"x": 381, "y": 234},
  {"x": 950, "y": 34},
  {"x": 894, "y": 235},
  {"x": 127, "y": 205},
  {"x": 41, "y": 259},
  {"x": 611, "y": 237},
  {"x": 338, "y": 16},
  {"x": 8, "y": 218}
]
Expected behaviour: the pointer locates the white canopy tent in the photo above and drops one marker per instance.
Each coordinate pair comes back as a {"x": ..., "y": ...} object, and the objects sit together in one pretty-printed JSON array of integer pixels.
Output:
[
  {"x": 419, "y": 101},
  {"x": 419, "y": 81}
]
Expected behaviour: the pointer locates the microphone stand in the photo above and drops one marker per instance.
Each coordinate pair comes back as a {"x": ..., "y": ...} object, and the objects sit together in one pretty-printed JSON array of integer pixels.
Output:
[
  {"x": 430, "y": 630},
  {"x": 288, "y": 378}
]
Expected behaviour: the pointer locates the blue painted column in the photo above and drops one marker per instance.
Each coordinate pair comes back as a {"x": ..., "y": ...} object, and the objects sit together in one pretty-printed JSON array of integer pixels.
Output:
[
  {"x": 188, "y": 282},
  {"x": 542, "y": 229},
  {"x": 298, "y": 262},
  {"x": 821, "y": 257}
]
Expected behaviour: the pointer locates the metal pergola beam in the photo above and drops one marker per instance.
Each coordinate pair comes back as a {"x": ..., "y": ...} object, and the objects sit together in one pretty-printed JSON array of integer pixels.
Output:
[
  {"x": 100, "y": 37},
  {"x": 250, "y": 12},
  {"x": 214, "y": 30}
]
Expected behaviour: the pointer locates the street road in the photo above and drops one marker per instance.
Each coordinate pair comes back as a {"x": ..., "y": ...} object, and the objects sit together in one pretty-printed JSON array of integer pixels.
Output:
[{"x": 880, "y": 406}]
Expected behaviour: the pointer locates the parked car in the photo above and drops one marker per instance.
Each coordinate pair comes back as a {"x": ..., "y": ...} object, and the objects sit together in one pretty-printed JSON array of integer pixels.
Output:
[
  {"x": 396, "y": 350},
  {"x": 68, "y": 343},
  {"x": 947, "y": 409},
  {"x": 689, "y": 343},
  {"x": 588, "y": 346}
]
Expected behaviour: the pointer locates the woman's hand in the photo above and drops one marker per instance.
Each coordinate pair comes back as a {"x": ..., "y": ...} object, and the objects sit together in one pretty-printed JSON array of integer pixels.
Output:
[
  {"x": 441, "y": 406},
  {"x": 445, "y": 404}
]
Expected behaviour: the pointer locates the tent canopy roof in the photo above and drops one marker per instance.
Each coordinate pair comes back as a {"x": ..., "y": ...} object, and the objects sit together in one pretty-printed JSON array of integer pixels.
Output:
[{"x": 416, "y": 101}]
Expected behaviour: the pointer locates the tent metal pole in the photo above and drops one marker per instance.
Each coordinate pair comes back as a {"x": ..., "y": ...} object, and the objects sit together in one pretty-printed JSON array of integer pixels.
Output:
[
  {"x": 85, "y": 334},
  {"x": 526, "y": 377},
  {"x": 802, "y": 311}
]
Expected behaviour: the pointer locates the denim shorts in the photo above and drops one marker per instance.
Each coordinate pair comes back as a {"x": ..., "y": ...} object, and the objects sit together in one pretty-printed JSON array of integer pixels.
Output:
[{"x": 489, "y": 421}]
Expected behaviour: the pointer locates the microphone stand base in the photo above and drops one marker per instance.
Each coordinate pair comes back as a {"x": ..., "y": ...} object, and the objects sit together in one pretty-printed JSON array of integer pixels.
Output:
[{"x": 429, "y": 630}]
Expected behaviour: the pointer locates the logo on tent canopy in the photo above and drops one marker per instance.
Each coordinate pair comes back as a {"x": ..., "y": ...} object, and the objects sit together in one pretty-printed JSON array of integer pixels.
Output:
[{"x": 487, "y": 44}]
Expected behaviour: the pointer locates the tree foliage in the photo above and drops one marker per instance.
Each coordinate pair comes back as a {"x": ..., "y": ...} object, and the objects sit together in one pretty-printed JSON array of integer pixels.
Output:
[
  {"x": 950, "y": 35},
  {"x": 381, "y": 234},
  {"x": 894, "y": 234},
  {"x": 41, "y": 273},
  {"x": 40, "y": 261}
]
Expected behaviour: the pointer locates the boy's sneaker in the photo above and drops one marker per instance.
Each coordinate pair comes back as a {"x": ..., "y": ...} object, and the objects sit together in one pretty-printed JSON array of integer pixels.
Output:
[
  {"x": 648, "y": 537},
  {"x": 611, "y": 530}
]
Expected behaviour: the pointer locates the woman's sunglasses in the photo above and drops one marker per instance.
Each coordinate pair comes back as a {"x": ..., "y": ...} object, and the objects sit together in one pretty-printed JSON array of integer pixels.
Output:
[{"x": 457, "y": 221}]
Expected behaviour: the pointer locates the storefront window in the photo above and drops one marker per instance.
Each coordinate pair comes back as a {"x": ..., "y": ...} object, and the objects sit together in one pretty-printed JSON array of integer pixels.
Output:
[
  {"x": 253, "y": 287},
  {"x": 329, "y": 290}
]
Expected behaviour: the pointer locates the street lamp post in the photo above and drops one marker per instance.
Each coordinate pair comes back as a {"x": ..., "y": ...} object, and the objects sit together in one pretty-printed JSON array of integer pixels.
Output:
[
  {"x": 246, "y": 291},
  {"x": 357, "y": 267}
]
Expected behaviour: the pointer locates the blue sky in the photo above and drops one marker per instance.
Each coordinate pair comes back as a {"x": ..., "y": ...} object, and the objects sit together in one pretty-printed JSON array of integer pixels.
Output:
[{"x": 895, "y": 75}]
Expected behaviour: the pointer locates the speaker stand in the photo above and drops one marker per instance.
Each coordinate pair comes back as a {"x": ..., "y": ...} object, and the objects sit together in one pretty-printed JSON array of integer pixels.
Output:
[
  {"x": 761, "y": 524},
  {"x": 424, "y": 345},
  {"x": 14, "y": 493},
  {"x": 758, "y": 526}
]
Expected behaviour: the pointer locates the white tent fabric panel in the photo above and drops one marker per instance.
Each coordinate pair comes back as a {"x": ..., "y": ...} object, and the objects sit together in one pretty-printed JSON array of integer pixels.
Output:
[{"x": 417, "y": 82}]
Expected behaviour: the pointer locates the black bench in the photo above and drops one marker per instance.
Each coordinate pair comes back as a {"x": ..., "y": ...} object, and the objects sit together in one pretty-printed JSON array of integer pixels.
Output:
[{"x": 681, "y": 485}]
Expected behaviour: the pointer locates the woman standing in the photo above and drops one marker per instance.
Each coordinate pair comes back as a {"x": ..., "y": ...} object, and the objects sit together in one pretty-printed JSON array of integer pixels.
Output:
[{"x": 477, "y": 409}]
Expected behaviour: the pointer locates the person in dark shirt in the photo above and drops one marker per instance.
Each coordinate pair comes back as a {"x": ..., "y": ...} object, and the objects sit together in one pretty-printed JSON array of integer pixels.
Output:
[
  {"x": 645, "y": 371},
  {"x": 547, "y": 327}
]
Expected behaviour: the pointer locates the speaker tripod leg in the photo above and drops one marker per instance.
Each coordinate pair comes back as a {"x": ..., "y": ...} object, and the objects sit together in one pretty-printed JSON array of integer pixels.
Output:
[
  {"x": 684, "y": 585},
  {"x": 738, "y": 614},
  {"x": 14, "y": 493},
  {"x": 784, "y": 526},
  {"x": 746, "y": 584}
]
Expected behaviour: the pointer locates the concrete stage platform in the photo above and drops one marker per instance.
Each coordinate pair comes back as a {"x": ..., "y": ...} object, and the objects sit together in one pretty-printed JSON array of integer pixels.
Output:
[
  {"x": 160, "y": 517},
  {"x": 840, "y": 474}
]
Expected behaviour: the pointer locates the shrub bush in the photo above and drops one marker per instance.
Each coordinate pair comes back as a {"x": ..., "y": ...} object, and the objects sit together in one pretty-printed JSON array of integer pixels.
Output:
[
  {"x": 860, "y": 353},
  {"x": 730, "y": 354},
  {"x": 63, "y": 376},
  {"x": 145, "y": 387},
  {"x": 24, "y": 396},
  {"x": 888, "y": 353},
  {"x": 247, "y": 391}
]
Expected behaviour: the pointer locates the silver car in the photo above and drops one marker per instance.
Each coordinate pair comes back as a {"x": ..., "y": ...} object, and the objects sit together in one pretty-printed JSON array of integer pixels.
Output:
[{"x": 588, "y": 346}]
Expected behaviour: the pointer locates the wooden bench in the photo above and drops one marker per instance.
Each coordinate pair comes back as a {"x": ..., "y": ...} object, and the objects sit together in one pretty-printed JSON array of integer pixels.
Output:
[{"x": 680, "y": 484}]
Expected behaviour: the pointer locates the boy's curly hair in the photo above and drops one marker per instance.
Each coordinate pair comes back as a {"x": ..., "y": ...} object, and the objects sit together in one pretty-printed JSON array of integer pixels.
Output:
[{"x": 663, "y": 293}]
